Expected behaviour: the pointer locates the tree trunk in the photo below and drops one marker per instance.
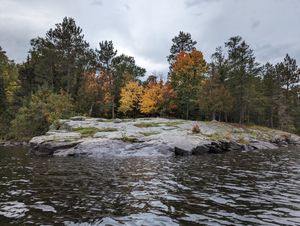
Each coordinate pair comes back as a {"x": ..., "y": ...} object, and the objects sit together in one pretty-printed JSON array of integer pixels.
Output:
[
  {"x": 91, "y": 110},
  {"x": 113, "y": 108},
  {"x": 187, "y": 111},
  {"x": 68, "y": 80},
  {"x": 271, "y": 119},
  {"x": 214, "y": 116}
]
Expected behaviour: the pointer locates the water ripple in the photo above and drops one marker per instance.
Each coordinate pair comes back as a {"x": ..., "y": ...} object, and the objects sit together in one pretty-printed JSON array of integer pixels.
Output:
[{"x": 247, "y": 188}]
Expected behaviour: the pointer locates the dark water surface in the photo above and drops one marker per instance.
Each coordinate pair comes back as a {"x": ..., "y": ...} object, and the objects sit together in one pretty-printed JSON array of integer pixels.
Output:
[{"x": 250, "y": 188}]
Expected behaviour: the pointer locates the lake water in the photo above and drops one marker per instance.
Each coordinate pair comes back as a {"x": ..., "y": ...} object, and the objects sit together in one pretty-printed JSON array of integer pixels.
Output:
[{"x": 237, "y": 188}]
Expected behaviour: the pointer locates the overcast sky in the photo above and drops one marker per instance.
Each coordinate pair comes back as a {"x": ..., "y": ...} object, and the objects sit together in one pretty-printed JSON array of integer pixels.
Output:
[{"x": 145, "y": 28}]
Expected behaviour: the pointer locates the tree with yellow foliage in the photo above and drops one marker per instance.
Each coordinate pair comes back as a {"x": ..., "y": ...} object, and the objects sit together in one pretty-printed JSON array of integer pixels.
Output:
[
  {"x": 130, "y": 97},
  {"x": 152, "y": 98}
]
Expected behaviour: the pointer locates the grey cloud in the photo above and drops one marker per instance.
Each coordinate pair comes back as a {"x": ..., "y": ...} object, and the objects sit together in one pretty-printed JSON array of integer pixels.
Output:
[
  {"x": 97, "y": 2},
  {"x": 255, "y": 24},
  {"x": 144, "y": 29},
  {"x": 192, "y": 3}
]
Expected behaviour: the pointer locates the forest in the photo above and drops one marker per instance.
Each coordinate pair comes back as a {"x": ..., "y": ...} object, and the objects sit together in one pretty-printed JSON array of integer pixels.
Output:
[{"x": 63, "y": 77}]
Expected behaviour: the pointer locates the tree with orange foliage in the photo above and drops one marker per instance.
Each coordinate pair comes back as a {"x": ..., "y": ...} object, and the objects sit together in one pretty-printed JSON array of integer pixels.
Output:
[
  {"x": 168, "y": 105},
  {"x": 158, "y": 98},
  {"x": 187, "y": 74},
  {"x": 130, "y": 97},
  {"x": 89, "y": 93}
]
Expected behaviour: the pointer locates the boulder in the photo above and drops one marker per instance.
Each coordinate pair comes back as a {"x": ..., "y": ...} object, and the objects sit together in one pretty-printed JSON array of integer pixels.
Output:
[
  {"x": 261, "y": 145},
  {"x": 201, "y": 149}
]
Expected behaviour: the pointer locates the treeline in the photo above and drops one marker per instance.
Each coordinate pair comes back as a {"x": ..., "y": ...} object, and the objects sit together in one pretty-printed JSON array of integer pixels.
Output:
[{"x": 63, "y": 76}]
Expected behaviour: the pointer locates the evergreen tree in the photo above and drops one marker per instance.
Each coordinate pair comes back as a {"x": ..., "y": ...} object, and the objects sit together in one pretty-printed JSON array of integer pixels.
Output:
[
  {"x": 106, "y": 54},
  {"x": 289, "y": 77},
  {"x": 182, "y": 42},
  {"x": 61, "y": 57},
  {"x": 214, "y": 97},
  {"x": 242, "y": 71}
]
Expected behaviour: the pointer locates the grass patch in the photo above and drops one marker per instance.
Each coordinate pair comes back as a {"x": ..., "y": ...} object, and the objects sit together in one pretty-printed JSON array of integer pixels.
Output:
[
  {"x": 90, "y": 131},
  {"x": 146, "y": 134},
  {"x": 147, "y": 124},
  {"x": 174, "y": 123},
  {"x": 242, "y": 140}
]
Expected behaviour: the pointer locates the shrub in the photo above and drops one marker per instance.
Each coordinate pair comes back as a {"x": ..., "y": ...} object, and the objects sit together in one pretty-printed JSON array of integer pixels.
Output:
[
  {"x": 43, "y": 109},
  {"x": 128, "y": 139}
]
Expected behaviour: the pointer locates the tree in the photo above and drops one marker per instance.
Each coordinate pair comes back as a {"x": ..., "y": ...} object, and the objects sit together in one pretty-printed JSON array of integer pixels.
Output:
[
  {"x": 242, "y": 68},
  {"x": 187, "y": 74},
  {"x": 124, "y": 70},
  {"x": 106, "y": 55},
  {"x": 130, "y": 97},
  {"x": 182, "y": 42},
  {"x": 3, "y": 101},
  {"x": 151, "y": 100},
  {"x": 288, "y": 76},
  {"x": 168, "y": 105},
  {"x": 90, "y": 94},
  {"x": 61, "y": 58},
  {"x": 43, "y": 109},
  {"x": 9, "y": 86},
  {"x": 271, "y": 86},
  {"x": 214, "y": 97}
]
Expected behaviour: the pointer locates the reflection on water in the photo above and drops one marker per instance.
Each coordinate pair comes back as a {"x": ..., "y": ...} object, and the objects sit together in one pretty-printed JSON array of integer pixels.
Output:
[{"x": 253, "y": 188}]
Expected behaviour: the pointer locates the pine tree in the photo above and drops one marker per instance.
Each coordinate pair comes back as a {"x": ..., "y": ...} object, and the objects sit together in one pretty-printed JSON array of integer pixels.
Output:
[
  {"x": 61, "y": 58},
  {"x": 242, "y": 70},
  {"x": 106, "y": 54},
  {"x": 182, "y": 42}
]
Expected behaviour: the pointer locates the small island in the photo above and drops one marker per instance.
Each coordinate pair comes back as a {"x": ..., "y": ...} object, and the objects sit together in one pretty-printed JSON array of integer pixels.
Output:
[
  {"x": 149, "y": 112},
  {"x": 98, "y": 137}
]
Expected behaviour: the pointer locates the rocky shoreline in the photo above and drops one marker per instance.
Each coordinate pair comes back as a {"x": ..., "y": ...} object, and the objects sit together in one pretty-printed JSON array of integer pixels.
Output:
[
  {"x": 97, "y": 137},
  {"x": 12, "y": 143}
]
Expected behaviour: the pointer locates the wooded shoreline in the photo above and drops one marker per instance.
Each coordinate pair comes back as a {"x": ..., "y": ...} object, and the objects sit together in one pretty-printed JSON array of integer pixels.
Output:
[{"x": 63, "y": 77}]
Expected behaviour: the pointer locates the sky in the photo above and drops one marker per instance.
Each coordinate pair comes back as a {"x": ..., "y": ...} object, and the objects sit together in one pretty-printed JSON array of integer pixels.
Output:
[{"x": 145, "y": 28}]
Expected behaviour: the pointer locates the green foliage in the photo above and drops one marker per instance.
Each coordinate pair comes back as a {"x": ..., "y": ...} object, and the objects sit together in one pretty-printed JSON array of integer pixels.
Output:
[
  {"x": 58, "y": 60},
  {"x": 43, "y": 109},
  {"x": 9, "y": 87},
  {"x": 242, "y": 71},
  {"x": 182, "y": 42}
]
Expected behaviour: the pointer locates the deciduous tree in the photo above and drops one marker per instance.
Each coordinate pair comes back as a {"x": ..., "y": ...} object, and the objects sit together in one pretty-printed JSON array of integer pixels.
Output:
[
  {"x": 187, "y": 74},
  {"x": 130, "y": 98}
]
